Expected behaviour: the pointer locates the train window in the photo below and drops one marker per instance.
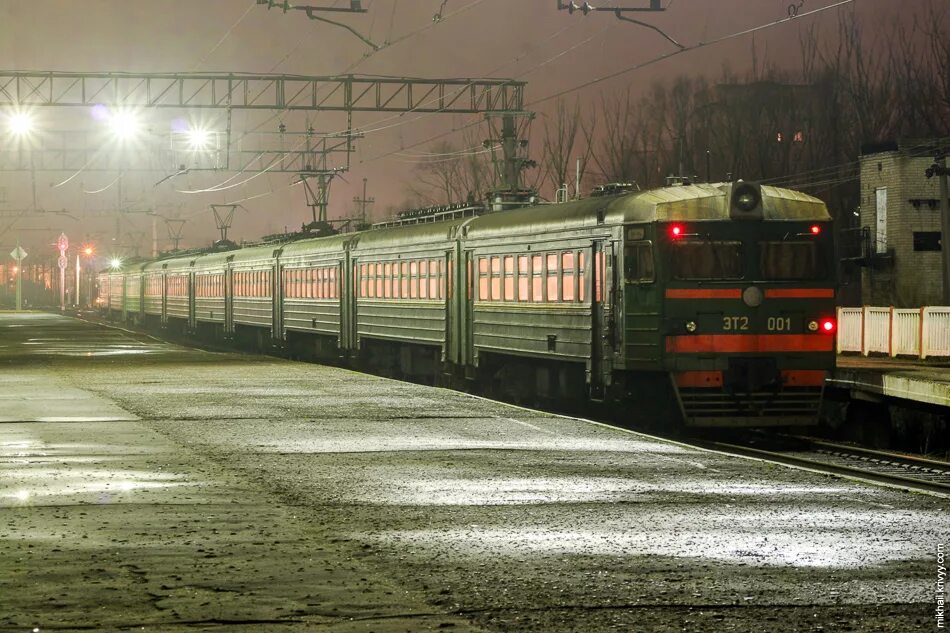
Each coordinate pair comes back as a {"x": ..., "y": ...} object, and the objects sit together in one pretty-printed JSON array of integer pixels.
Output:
[
  {"x": 333, "y": 283},
  {"x": 362, "y": 278},
  {"x": 404, "y": 280},
  {"x": 508, "y": 278},
  {"x": 495, "y": 278},
  {"x": 483, "y": 278},
  {"x": 791, "y": 260},
  {"x": 424, "y": 279},
  {"x": 435, "y": 277},
  {"x": 567, "y": 276},
  {"x": 638, "y": 262},
  {"x": 551, "y": 266},
  {"x": 600, "y": 275},
  {"x": 387, "y": 280},
  {"x": 707, "y": 260},
  {"x": 523, "y": 277},
  {"x": 537, "y": 281},
  {"x": 581, "y": 278}
]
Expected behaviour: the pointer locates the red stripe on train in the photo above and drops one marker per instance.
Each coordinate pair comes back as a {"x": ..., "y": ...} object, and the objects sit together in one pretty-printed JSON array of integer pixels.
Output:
[
  {"x": 704, "y": 293},
  {"x": 800, "y": 293},
  {"x": 750, "y": 343}
]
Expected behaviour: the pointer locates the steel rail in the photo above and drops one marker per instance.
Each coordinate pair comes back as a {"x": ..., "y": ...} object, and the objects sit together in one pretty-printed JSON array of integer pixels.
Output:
[{"x": 855, "y": 472}]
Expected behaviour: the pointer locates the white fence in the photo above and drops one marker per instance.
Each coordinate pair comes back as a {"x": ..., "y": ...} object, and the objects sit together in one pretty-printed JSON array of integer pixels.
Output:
[{"x": 922, "y": 333}]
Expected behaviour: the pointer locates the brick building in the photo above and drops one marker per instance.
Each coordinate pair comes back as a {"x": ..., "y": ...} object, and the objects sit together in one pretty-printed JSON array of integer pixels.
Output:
[{"x": 898, "y": 242}]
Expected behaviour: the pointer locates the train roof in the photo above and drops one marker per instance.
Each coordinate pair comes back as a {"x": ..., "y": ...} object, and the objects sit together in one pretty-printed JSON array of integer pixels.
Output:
[
  {"x": 695, "y": 202},
  {"x": 698, "y": 202}
]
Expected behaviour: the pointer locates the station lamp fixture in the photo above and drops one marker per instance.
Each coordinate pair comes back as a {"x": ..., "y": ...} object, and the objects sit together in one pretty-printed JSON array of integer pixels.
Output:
[
  {"x": 125, "y": 125},
  {"x": 115, "y": 263},
  {"x": 199, "y": 138},
  {"x": 88, "y": 250},
  {"x": 20, "y": 123}
]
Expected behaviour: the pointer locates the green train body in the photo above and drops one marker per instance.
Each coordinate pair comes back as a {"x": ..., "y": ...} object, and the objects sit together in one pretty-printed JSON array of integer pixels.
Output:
[{"x": 706, "y": 304}]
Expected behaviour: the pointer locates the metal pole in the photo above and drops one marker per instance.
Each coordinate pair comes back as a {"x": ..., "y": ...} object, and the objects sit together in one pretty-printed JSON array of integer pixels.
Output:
[
  {"x": 62, "y": 288},
  {"x": 509, "y": 141},
  {"x": 19, "y": 278},
  {"x": 944, "y": 226},
  {"x": 577, "y": 180},
  {"x": 76, "y": 298},
  {"x": 363, "y": 203}
]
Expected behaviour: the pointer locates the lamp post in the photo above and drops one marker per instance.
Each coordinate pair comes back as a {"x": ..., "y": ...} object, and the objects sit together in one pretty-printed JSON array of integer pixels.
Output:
[
  {"x": 88, "y": 251},
  {"x": 62, "y": 244}
]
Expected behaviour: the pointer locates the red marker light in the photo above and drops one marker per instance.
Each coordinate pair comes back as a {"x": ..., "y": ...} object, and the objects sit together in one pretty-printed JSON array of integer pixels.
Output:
[
  {"x": 676, "y": 230},
  {"x": 815, "y": 229},
  {"x": 827, "y": 326}
]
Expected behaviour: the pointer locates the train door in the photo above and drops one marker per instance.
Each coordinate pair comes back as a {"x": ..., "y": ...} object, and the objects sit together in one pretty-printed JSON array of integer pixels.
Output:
[
  {"x": 642, "y": 303},
  {"x": 277, "y": 299},
  {"x": 347, "y": 286},
  {"x": 604, "y": 304},
  {"x": 466, "y": 303},
  {"x": 192, "y": 322},
  {"x": 163, "y": 288},
  {"x": 229, "y": 299},
  {"x": 452, "y": 307}
]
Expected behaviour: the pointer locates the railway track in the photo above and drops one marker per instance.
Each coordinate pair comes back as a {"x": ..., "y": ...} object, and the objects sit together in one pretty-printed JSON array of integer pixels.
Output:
[{"x": 905, "y": 471}]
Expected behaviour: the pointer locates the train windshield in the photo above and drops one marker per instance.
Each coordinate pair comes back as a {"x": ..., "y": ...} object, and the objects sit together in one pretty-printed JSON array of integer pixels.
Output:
[
  {"x": 694, "y": 259},
  {"x": 790, "y": 260}
]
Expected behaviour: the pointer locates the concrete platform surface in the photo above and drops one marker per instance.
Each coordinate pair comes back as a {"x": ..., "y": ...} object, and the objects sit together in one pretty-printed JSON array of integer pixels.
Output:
[
  {"x": 145, "y": 486},
  {"x": 895, "y": 378}
]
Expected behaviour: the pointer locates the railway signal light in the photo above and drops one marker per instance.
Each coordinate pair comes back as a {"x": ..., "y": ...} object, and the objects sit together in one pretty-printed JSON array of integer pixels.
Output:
[
  {"x": 815, "y": 229},
  {"x": 676, "y": 230}
]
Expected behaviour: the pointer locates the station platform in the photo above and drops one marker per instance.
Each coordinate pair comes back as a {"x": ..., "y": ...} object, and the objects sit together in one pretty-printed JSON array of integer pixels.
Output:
[
  {"x": 886, "y": 377},
  {"x": 148, "y": 486}
]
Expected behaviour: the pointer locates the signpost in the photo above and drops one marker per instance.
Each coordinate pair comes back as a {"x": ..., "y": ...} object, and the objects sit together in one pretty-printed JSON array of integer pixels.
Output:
[
  {"x": 62, "y": 244},
  {"x": 19, "y": 255}
]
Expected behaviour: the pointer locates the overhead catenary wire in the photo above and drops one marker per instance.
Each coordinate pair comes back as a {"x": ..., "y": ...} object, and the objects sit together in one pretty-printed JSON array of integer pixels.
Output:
[{"x": 628, "y": 69}]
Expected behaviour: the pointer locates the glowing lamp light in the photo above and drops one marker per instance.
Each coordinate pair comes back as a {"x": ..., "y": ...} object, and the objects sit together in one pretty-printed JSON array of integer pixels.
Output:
[
  {"x": 125, "y": 125},
  {"x": 676, "y": 230},
  {"x": 815, "y": 229},
  {"x": 199, "y": 139},
  {"x": 827, "y": 326},
  {"x": 21, "y": 123},
  {"x": 88, "y": 250},
  {"x": 115, "y": 263}
]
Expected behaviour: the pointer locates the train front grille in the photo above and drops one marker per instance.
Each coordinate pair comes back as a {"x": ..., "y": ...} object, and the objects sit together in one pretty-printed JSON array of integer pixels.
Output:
[{"x": 720, "y": 407}]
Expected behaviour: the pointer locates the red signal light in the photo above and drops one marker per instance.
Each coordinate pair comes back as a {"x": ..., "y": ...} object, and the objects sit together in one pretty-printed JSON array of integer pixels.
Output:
[
  {"x": 815, "y": 229},
  {"x": 676, "y": 230},
  {"x": 827, "y": 326}
]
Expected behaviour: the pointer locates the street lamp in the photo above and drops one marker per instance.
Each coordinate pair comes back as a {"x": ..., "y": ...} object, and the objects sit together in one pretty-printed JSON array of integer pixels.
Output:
[
  {"x": 115, "y": 263},
  {"x": 20, "y": 123},
  {"x": 199, "y": 139},
  {"x": 125, "y": 125},
  {"x": 88, "y": 251}
]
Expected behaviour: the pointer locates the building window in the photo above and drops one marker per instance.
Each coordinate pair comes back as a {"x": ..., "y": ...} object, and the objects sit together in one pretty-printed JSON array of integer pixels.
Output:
[{"x": 927, "y": 241}]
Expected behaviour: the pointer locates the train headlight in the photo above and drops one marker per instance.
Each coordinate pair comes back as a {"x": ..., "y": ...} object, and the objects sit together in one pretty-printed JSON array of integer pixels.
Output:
[
  {"x": 691, "y": 326},
  {"x": 827, "y": 326}
]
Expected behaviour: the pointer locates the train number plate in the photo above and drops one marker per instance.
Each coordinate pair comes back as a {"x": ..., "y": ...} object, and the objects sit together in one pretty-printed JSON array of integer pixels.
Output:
[{"x": 735, "y": 323}]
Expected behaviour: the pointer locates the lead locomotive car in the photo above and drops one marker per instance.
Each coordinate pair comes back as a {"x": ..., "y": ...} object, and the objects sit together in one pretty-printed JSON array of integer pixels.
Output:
[{"x": 704, "y": 305}]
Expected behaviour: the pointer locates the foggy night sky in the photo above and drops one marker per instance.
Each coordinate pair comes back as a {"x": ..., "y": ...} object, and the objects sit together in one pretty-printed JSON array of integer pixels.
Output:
[{"x": 492, "y": 38}]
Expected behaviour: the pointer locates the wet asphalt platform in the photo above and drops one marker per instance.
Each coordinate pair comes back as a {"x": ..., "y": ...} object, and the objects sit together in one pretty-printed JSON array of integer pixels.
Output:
[{"x": 145, "y": 486}]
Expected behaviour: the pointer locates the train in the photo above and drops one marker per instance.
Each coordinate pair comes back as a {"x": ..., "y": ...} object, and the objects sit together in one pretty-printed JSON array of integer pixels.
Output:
[{"x": 695, "y": 305}]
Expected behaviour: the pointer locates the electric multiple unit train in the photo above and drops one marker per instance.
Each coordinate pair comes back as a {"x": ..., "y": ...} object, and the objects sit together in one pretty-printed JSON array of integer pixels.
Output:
[{"x": 699, "y": 305}]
